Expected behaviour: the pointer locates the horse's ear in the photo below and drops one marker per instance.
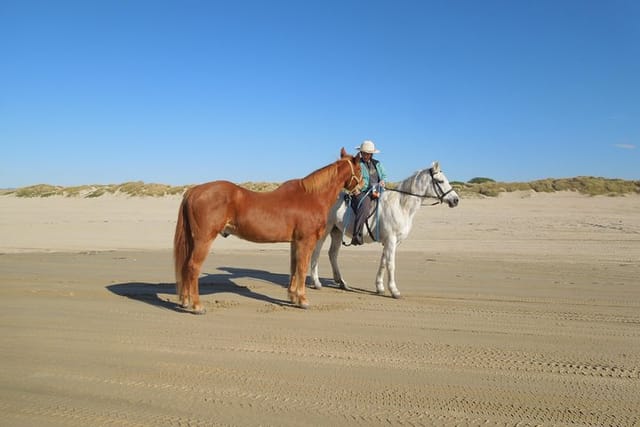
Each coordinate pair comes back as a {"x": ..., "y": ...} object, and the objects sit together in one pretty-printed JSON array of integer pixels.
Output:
[
  {"x": 435, "y": 166},
  {"x": 343, "y": 153}
]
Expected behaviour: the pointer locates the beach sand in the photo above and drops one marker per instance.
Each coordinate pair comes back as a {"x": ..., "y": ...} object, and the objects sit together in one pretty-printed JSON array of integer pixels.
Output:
[{"x": 518, "y": 310}]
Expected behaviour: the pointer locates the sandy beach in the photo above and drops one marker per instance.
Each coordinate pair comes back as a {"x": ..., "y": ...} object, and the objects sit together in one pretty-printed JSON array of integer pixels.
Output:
[{"x": 519, "y": 310}]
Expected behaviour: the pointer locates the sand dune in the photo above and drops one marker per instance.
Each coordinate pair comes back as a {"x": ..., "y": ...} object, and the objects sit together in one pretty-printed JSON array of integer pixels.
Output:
[{"x": 518, "y": 310}]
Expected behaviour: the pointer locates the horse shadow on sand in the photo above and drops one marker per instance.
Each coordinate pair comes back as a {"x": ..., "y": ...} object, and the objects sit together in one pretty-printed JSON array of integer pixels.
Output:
[
  {"x": 209, "y": 284},
  {"x": 155, "y": 294}
]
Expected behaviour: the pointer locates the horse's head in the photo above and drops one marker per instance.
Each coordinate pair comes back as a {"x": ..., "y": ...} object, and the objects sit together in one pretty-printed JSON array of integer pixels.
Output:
[
  {"x": 354, "y": 182},
  {"x": 441, "y": 188}
]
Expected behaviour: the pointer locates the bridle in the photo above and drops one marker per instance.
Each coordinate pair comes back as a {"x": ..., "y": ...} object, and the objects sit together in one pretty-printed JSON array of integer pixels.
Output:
[
  {"x": 440, "y": 193},
  {"x": 354, "y": 177}
]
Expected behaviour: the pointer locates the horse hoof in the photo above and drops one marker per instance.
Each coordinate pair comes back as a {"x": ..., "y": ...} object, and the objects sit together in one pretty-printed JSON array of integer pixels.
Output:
[
  {"x": 304, "y": 305},
  {"x": 396, "y": 295},
  {"x": 314, "y": 286},
  {"x": 380, "y": 292},
  {"x": 199, "y": 310},
  {"x": 293, "y": 299},
  {"x": 344, "y": 287}
]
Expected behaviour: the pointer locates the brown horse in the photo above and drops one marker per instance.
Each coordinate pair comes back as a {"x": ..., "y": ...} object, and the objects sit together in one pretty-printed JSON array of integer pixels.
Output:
[{"x": 294, "y": 212}]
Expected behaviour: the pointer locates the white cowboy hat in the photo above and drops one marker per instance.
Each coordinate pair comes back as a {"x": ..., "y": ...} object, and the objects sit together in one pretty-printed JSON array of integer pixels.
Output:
[{"x": 367, "y": 147}]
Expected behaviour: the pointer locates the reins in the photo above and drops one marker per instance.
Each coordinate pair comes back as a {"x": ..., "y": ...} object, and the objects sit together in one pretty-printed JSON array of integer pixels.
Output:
[{"x": 438, "y": 189}]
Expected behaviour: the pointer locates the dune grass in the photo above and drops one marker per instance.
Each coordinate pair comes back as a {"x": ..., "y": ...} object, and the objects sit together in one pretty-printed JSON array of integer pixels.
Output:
[
  {"x": 131, "y": 189},
  {"x": 593, "y": 186},
  {"x": 478, "y": 187}
]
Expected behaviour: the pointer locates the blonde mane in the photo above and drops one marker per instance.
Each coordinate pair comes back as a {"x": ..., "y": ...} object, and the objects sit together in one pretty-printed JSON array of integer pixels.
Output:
[{"x": 318, "y": 180}]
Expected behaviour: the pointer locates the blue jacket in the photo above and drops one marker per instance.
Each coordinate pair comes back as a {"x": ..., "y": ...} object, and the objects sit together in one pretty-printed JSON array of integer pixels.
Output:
[{"x": 382, "y": 175}]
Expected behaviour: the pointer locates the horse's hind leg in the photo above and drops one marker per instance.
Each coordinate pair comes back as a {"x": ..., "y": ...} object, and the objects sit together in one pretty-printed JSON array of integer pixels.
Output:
[
  {"x": 334, "y": 250},
  {"x": 200, "y": 252},
  {"x": 391, "y": 271},
  {"x": 315, "y": 256},
  {"x": 293, "y": 285}
]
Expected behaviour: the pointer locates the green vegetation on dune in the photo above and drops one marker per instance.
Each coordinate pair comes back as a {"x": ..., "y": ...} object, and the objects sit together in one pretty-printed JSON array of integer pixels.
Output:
[
  {"x": 593, "y": 186},
  {"x": 480, "y": 186}
]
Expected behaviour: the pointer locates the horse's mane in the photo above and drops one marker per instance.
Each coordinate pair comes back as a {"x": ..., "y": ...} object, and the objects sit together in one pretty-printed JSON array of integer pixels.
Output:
[
  {"x": 319, "y": 179},
  {"x": 407, "y": 185}
]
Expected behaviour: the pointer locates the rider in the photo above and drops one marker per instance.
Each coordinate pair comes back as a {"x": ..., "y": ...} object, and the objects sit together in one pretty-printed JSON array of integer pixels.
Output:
[{"x": 373, "y": 177}]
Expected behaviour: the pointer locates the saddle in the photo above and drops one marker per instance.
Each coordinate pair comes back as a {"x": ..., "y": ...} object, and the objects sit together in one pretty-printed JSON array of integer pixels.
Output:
[{"x": 372, "y": 210}]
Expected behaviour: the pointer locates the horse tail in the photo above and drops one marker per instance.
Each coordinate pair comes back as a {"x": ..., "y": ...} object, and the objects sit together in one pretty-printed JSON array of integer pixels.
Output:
[{"x": 182, "y": 243}]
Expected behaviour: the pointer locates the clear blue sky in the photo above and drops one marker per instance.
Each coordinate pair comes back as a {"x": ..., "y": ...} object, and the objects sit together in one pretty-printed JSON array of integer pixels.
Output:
[{"x": 182, "y": 92}]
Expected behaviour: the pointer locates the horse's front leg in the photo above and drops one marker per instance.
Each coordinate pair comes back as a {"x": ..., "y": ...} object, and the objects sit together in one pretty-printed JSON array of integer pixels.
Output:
[
  {"x": 300, "y": 258},
  {"x": 380, "y": 274},
  {"x": 297, "y": 290},
  {"x": 388, "y": 265}
]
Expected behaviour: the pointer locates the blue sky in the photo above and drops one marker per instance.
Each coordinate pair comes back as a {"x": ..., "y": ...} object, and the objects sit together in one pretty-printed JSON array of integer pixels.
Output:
[{"x": 182, "y": 92}]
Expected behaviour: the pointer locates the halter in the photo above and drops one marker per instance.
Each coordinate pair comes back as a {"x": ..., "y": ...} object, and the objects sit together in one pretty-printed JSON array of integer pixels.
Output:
[
  {"x": 353, "y": 177},
  {"x": 440, "y": 193}
]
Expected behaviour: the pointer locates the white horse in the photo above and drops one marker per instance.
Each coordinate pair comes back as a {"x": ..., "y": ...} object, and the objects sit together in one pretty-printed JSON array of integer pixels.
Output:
[{"x": 391, "y": 225}]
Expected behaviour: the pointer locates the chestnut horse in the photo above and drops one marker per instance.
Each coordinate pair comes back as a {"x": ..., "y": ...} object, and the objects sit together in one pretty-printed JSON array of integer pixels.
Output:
[{"x": 294, "y": 212}]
